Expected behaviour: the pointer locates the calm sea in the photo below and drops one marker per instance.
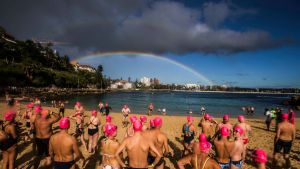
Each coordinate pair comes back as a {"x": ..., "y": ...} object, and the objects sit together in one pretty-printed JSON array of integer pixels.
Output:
[{"x": 180, "y": 103}]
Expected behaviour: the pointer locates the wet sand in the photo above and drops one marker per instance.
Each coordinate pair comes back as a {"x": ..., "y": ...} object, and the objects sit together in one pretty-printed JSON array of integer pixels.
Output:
[{"x": 172, "y": 125}]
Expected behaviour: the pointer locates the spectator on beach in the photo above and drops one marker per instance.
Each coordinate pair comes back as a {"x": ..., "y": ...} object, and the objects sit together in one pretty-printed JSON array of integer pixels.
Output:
[
  {"x": 150, "y": 109},
  {"x": 101, "y": 107},
  {"x": 278, "y": 118},
  {"x": 107, "y": 109},
  {"x": 125, "y": 111},
  {"x": 291, "y": 116},
  {"x": 268, "y": 120},
  {"x": 37, "y": 102},
  {"x": 61, "y": 106},
  {"x": 202, "y": 110},
  {"x": 164, "y": 111},
  {"x": 10, "y": 102},
  {"x": 252, "y": 110},
  {"x": 284, "y": 138}
]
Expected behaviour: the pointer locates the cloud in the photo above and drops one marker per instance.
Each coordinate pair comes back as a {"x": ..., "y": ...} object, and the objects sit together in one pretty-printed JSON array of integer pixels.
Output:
[{"x": 133, "y": 25}]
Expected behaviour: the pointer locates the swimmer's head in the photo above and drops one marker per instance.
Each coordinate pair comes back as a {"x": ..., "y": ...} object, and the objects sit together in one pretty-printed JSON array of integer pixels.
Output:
[
  {"x": 241, "y": 118},
  {"x": 106, "y": 104},
  {"x": 224, "y": 131},
  {"x": 205, "y": 147},
  {"x": 143, "y": 119},
  {"x": 202, "y": 138},
  {"x": 137, "y": 126},
  {"x": 10, "y": 116},
  {"x": 239, "y": 130},
  {"x": 133, "y": 119},
  {"x": 206, "y": 116},
  {"x": 259, "y": 156},
  {"x": 152, "y": 125},
  {"x": 78, "y": 104},
  {"x": 157, "y": 122},
  {"x": 108, "y": 119},
  {"x": 190, "y": 119},
  {"x": 110, "y": 130},
  {"x": 226, "y": 118},
  {"x": 125, "y": 106},
  {"x": 94, "y": 113},
  {"x": 64, "y": 123},
  {"x": 285, "y": 116},
  {"x": 38, "y": 109}
]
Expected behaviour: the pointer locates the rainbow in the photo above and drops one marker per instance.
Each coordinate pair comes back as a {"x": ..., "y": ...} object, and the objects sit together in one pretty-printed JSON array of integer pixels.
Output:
[{"x": 149, "y": 55}]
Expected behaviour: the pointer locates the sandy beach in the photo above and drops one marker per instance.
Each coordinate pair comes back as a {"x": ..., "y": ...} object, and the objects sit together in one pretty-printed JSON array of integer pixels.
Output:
[{"x": 172, "y": 125}]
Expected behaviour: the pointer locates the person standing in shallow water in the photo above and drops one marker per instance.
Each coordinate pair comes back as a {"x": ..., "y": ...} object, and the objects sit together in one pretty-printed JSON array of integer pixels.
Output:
[
  {"x": 107, "y": 109},
  {"x": 150, "y": 109}
]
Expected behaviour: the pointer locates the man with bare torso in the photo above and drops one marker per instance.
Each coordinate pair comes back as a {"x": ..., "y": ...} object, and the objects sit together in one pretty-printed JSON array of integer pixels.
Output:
[
  {"x": 160, "y": 140},
  {"x": 199, "y": 158},
  {"x": 225, "y": 123},
  {"x": 207, "y": 126},
  {"x": 237, "y": 153},
  {"x": 43, "y": 128},
  {"x": 223, "y": 148},
  {"x": 125, "y": 111},
  {"x": 246, "y": 130},
  {"x": 284, "y": 138},
  {"x": 138, "y": 147},
  {"x": 62, "y": 152}
]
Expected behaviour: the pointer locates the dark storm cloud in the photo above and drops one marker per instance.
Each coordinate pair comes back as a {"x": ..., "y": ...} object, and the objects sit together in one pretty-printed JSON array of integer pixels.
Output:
[{"x": 132, "y": 25}]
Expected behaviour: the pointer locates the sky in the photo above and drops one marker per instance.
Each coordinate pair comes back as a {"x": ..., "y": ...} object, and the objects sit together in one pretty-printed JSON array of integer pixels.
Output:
[{"x": 249, "y": 43}]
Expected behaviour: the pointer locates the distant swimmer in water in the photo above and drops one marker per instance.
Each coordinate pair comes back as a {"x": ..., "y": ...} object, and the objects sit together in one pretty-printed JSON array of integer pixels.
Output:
[
  {"x": 284, "y": 138},
  {"x": 237, "y": 154},
  {"x": 109, "y": 147},
  {"x": 64, "y": 153},
  {"x": 189, "y": 132},
  {"x": 138, "y": 147},
  {"x": 200, "y": 159},
  {"x": 43, "y": 127},
  {"x": 125, "y": 111},
  {"x": 8, "y": 140},
  {"x": 260, "y": 158},
  {"x": 150, "y": 109},
  {"x": 93, "y": 131}
]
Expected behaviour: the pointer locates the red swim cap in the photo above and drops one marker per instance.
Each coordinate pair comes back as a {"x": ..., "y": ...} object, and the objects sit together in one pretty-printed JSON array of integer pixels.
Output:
[
  {"x": 143, "y": 119},
  {"x": 157, "y": 122},
  {"x": 241, "y": 118},
  {"x": 285, "y": 116},
  {"x": 137, "y": 126},
  {"x": 205, "y": 147},
  {"x": 239, "y": 130},
  {"x": 38, "y": 109},
  {"x": 202, "y": 138},
  {"x": 152, "y": 123},
  {"x": 9, "y": 116},
  {"x": 259, "y": 156},
  {"x": 206, "y": 116},
  {"x": 190, "y": 118},
  {"x": 224, "y": 131},
  {"x": 226, "y": 117},
  {"x": 108, "y": 119},
  {"x": 133, "y": 119},
  {"x": 110, "y": 129},
  {"x": 78, "y": 104},
  {"x": 64, "y": 123},
  {"x": 94, "y": 113}
]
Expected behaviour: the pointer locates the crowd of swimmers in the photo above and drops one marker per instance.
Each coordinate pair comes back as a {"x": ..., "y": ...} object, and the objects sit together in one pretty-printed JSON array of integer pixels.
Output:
[{"x": 217, "y": 146}]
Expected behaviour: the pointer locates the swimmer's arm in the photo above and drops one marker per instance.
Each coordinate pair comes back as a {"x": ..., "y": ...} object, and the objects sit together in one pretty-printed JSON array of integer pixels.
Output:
[
  {"x": 166, "y": 146},
  {"x": 158, "y": 155},
  {"x": 294, "y": 134},
  {"x": 51, "y": 153},
  {"x": 77, "y": 152},
  {"x": 13, "y": 132},
  {"x": 119, "y": 151},
  {"x": 277, "y": 134},
  {"x": 184, "y": 161},
  {"x": 55, "y": 117}
]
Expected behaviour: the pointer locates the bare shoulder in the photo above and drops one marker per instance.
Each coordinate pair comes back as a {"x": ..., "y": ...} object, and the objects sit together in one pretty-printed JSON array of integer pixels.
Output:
[{"x": 213, "y": 164}]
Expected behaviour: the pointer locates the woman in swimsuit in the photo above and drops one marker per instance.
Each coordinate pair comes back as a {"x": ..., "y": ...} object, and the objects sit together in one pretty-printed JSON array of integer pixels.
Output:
[
  {"x": 93, "y": 131},
  {"x": 79, "y": 118},
  {"x": 188, "y": 134},
  {"x": 109, "y": 147},
  {"x": 129, "y": 130},
  {"x": 8, "y": 141},
  {"x": 26, "y": 117}
]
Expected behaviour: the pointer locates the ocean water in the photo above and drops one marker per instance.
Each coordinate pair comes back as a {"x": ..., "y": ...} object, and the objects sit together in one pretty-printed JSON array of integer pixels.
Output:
[{"x": 180, "y": 103}]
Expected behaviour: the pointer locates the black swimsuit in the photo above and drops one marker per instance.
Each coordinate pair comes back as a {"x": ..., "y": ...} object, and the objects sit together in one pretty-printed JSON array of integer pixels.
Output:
[
  {"x": 7, "y": 143},
  {"x": 92, "y": 132},
  {"x": 63, "y": 165},
  {"x": 79, "y": 130}
]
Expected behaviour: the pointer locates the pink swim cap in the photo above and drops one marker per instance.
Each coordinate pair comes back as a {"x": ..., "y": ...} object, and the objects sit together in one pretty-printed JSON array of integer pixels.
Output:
[
  {"x": 64, "y": 123},
  {"x": 259, "y": 156},
  {"x": 38, "y": 109},
  {"x": 108, "y": 119},
  {"x": 9, "y": 116},
  {"x": 206, "y": 116},
  {"x": 224, "y": 131},
  {"x": 210, "y": 118},
  {"x": 157, "y": 122},
  {"x": 202, "y": 138},
  {"x": 205, "y": 147},
  {"x": 137, "y": 126},
  {"x": 30, "y": 105},
  {"x": 285, "y": 116},
  {"x": 110, "y": 129},
  {"x": 78, "y": 104},
  {"x": 133, "y": 119},
  {"x": 226, "y": 117},
  {"x": 189, "y": 118},
  {"x": 44, "y": 113},
  {"x": 241, "y": 118},
  {"x": 152, "y": 123},
  {"x": 94, "y": 113},
  {"x": 239, "y": 130},
  {"x": 143, "y": 119}
]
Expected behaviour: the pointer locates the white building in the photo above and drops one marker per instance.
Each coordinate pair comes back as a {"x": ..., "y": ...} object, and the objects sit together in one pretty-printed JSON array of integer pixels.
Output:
[
  {"x": 145, "y": 81},
  {"x": 122, "y": 84},
  {"x": 191, "y": 85}
]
